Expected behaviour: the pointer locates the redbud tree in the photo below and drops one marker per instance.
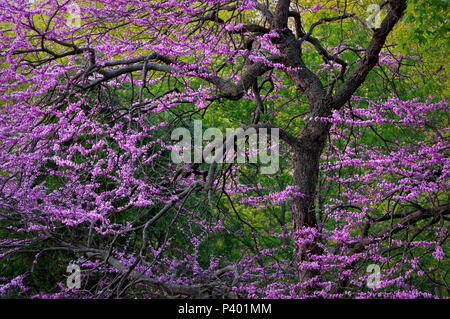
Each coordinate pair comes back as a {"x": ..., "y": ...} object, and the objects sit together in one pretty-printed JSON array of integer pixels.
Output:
[{"x": 90, "y": 92}]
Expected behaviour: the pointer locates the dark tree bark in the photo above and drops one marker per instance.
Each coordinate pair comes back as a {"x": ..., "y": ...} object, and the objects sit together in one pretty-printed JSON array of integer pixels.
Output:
[{"x": 312, "y": 141}]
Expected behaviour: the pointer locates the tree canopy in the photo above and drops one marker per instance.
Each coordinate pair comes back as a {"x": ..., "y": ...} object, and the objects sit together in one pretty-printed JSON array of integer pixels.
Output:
[{"x": 91, "y": 93}]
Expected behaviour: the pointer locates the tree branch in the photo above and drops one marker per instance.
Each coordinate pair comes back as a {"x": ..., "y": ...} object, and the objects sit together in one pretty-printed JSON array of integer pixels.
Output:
[{"x": 371, "y": 56}]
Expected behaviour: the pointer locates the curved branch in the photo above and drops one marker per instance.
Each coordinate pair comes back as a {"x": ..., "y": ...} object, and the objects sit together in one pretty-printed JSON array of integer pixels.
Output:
[{"x": 371, "y": 56}]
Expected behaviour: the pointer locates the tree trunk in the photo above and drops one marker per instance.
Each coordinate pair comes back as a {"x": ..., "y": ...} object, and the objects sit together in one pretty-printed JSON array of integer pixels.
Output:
[{"x": 312, "y": 142}]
